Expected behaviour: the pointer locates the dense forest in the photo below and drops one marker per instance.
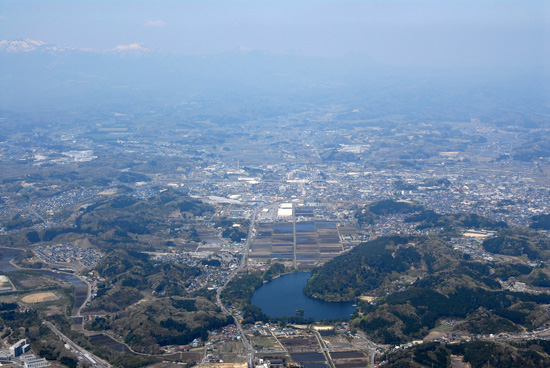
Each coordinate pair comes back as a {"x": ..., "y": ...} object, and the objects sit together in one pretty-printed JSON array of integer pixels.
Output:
[
  {"x": 147, "y": 303},
  {"x": 479, "y": 354},
  {"x": 126, "y": 222},
  {"x": 129, "y": 273},
  {"x": 425, "y": 219},
  {"x": 421, "y": 280},
  {"x": 541, "y": 222},
  {"x": 519, "y": 242},
  {"x": 363, "y": 269},
  {"x": 429, "y": 219},
  {"x": 371, "y": 213},
  {"x": 166, "y": 321}
]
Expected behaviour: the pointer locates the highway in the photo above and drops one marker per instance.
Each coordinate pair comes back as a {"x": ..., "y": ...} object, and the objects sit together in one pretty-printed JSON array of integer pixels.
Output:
[
  {"x": 85, "y": 353},
  {"x": 247, "y": 345}
]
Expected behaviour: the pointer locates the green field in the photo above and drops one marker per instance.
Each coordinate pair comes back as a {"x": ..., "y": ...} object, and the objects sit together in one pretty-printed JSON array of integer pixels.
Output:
[{"x": 267, "y": 342}]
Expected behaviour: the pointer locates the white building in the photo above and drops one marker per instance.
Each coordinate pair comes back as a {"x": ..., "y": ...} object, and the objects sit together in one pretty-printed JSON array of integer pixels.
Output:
[
  {"x": 5, "y": 355},
  {"x": 40, "y": 362},
  {"x": 20, "y": 347}
]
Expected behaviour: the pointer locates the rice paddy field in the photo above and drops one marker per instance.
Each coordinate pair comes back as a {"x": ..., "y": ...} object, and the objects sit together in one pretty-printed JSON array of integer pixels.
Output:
[{"x": 304, "y": 243}]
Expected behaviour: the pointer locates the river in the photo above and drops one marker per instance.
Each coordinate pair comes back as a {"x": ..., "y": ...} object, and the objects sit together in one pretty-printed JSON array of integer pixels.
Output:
[
  {"x": 283, "y": 296},
  {"x": 6, "y": 255},
  {"x": 80, "y": 287}
]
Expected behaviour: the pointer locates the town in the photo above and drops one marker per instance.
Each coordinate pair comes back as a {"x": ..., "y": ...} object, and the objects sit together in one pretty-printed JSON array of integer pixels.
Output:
[{"x": 289, "y": 196}]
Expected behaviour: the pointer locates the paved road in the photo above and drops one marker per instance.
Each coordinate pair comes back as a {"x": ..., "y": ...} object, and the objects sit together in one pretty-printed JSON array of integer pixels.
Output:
[
  {"x": 99, "y": 362},
  {"x": 370, "y": 346},
  {"x": 324, "y": 348},
  {"x": 247, "y": 345},
  {"x": 87, "y": 296}
]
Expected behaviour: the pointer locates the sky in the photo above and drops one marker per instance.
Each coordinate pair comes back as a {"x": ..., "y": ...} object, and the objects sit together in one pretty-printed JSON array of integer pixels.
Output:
[{"x": 393, "y": 32}]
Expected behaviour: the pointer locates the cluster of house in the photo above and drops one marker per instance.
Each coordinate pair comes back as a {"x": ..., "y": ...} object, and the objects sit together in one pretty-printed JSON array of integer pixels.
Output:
[{"x": 16, "y": 354}]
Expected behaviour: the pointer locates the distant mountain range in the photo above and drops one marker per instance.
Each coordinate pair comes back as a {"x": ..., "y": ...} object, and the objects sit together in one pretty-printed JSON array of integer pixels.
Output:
[
  {"x": 37, "y": 75},
  {"x": 27, "y": 45}
]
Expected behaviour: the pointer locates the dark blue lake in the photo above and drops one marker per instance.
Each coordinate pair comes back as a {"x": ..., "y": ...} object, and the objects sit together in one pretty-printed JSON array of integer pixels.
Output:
[{"x": 284, "y": 295}]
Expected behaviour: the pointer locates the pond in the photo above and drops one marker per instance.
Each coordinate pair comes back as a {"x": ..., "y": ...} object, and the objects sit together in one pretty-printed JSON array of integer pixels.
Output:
[{"x": 284, "y": 296}]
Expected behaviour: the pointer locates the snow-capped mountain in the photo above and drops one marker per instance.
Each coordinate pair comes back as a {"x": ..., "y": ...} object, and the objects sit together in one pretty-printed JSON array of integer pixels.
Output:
[{"x": 27, "y": 45}]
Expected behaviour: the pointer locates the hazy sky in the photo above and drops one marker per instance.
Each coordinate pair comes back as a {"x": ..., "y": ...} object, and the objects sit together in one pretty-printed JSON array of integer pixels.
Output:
[{"x": 431, "y": 33}]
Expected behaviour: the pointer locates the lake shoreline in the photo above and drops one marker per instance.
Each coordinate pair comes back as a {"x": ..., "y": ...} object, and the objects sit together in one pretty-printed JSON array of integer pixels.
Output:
[{"x": 283, "y": 296}]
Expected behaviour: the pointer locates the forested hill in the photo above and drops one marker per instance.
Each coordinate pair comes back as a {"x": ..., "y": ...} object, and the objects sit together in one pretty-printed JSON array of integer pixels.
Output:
[
  {"x": 427, "y": 219},
  {"x": 124, "y": 221},
  {"x": 147, "y": 303},
  {"x": 420, "y": 281},
  {"x": 365, "y": 268}
]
